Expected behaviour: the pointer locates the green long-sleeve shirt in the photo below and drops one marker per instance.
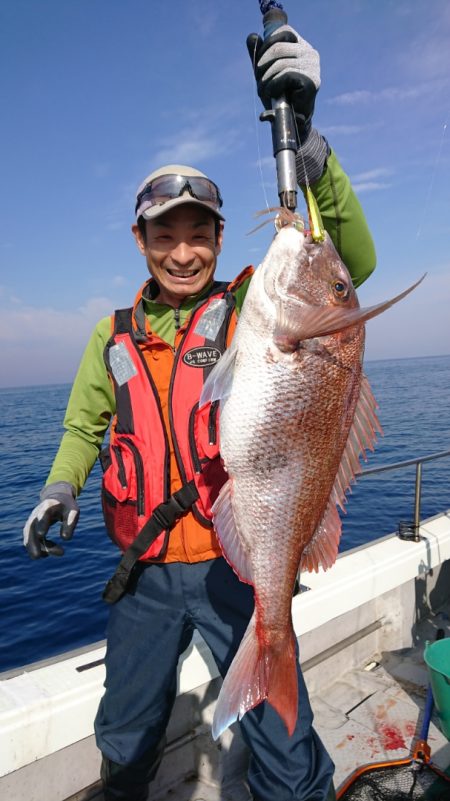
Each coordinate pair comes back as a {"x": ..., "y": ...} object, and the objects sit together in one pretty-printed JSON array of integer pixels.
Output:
[{"x": 92, "y": 404}]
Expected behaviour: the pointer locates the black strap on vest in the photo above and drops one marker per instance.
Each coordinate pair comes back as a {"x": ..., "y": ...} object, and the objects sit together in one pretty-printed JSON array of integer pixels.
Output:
[
  {"x": 123, "y": 321},
  {"x": 164, "y": 517}
]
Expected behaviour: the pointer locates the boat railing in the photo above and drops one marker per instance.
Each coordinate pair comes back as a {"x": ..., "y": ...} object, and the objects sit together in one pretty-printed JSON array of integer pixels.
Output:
[{"x": 409, "y": 531}]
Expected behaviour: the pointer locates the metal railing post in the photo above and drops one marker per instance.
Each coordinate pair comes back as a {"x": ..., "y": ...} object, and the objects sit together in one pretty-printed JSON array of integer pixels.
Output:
[{"x": 418, "y": 491}]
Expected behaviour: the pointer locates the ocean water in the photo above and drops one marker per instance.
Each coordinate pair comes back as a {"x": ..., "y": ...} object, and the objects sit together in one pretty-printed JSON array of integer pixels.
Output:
[{"x": 53, "y": 605}]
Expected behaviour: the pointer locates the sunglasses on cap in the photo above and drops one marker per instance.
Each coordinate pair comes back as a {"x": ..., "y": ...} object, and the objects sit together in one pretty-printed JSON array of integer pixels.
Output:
[{"x": 169, "y": 187}]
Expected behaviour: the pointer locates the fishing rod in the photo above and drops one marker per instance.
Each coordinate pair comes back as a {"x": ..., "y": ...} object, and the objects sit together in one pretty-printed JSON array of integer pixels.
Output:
[
  {"x": 285, "y": 138},
  {"x": 281, "y": 118}
]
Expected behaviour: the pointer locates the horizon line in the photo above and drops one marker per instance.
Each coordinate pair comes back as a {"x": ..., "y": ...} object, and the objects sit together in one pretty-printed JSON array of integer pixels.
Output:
[{"x": 70, "y": 383}]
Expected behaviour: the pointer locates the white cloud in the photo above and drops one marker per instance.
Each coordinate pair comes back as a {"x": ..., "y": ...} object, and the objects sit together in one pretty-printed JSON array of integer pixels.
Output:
[
  {"x": 30, "y": 325},
  {"x": 368, "y": 181},
  {"x": 370, "y": 175},
  {"x": 389, "y": 94},
  {"x": 369, "y": 186},
  {"x": 352, "y": 98}
]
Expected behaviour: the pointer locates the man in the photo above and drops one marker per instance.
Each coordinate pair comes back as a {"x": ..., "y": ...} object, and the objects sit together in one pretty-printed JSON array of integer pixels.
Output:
[{"x": 144, "y": 368}]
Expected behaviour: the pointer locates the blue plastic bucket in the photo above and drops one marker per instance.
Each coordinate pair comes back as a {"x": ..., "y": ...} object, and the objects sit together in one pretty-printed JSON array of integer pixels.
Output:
[{"x": 437, "y": 658}]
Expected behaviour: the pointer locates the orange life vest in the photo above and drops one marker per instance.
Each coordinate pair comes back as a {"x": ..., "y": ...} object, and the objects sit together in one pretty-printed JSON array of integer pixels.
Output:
[{"x": 137, "y": 481}]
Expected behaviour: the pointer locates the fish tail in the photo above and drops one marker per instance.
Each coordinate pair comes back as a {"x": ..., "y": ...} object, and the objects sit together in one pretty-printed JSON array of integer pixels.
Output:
[
  {"x": 283, "y": 683},
  {"x": 258, "y": 672}
]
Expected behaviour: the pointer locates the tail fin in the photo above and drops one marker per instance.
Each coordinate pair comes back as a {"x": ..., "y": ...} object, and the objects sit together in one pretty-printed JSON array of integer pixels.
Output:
[{"x": 259, "y": 672}]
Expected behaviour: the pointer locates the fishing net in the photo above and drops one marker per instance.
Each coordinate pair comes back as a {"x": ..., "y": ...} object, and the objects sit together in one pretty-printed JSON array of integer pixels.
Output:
[
  {"x": 410, "y": 781},
  {"x": 415, "y": 778}
]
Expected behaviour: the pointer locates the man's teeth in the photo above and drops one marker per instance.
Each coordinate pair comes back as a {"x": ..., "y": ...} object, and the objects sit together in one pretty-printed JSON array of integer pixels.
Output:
[{"x": 184, "y": 274}]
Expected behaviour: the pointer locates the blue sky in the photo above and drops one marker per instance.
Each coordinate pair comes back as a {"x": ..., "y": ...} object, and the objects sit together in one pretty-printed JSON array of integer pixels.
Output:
[{"x": 97, "y": 93}]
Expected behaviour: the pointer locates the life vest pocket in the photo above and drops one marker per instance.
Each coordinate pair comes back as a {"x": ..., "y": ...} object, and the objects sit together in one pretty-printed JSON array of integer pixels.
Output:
[
  {"x": 204, "y": 434},
  {"x": 123, "y": 491},
  {"x": 206, "y": 461}
]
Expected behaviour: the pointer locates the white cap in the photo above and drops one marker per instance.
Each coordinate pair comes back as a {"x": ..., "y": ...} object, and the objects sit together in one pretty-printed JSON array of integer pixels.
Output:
[{"x": 149, "y": 212}]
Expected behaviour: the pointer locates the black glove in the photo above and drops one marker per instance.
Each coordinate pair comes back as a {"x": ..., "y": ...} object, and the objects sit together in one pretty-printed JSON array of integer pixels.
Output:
[
  {"x": 57, "y": 503},
  {"x": 285, "y": 64}
]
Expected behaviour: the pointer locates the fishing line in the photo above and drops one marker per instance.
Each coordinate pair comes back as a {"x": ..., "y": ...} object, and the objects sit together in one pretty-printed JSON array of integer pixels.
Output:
[
  {"x": 302, "y": 159},
  {"x": 433, "y": 176},
  {"x": 300, "y": 151}
]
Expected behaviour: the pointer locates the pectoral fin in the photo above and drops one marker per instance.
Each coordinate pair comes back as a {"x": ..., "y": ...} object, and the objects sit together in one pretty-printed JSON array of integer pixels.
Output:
[
  {"x": 218, "y": 384},
  {"x": 296, "y": 323}
]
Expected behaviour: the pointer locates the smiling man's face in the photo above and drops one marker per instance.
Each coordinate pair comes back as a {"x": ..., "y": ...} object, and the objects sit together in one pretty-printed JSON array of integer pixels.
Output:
[{"x": 181, "y": 249}]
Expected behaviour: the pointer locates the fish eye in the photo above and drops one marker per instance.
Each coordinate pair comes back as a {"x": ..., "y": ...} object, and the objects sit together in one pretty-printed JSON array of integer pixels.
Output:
[{"x": 340, "y": 289}]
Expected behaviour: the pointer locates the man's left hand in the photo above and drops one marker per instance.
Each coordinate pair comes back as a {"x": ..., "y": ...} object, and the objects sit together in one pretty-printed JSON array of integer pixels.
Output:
[{"x": 285, "y": 64}]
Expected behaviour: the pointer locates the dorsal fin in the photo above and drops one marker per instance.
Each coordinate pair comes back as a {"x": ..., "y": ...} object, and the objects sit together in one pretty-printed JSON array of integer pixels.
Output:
[{"x": 323, "y": 547}]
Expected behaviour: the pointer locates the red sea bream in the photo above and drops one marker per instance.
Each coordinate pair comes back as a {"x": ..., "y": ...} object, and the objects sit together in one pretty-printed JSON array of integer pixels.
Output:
[{"x": 296, "y": 415}]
